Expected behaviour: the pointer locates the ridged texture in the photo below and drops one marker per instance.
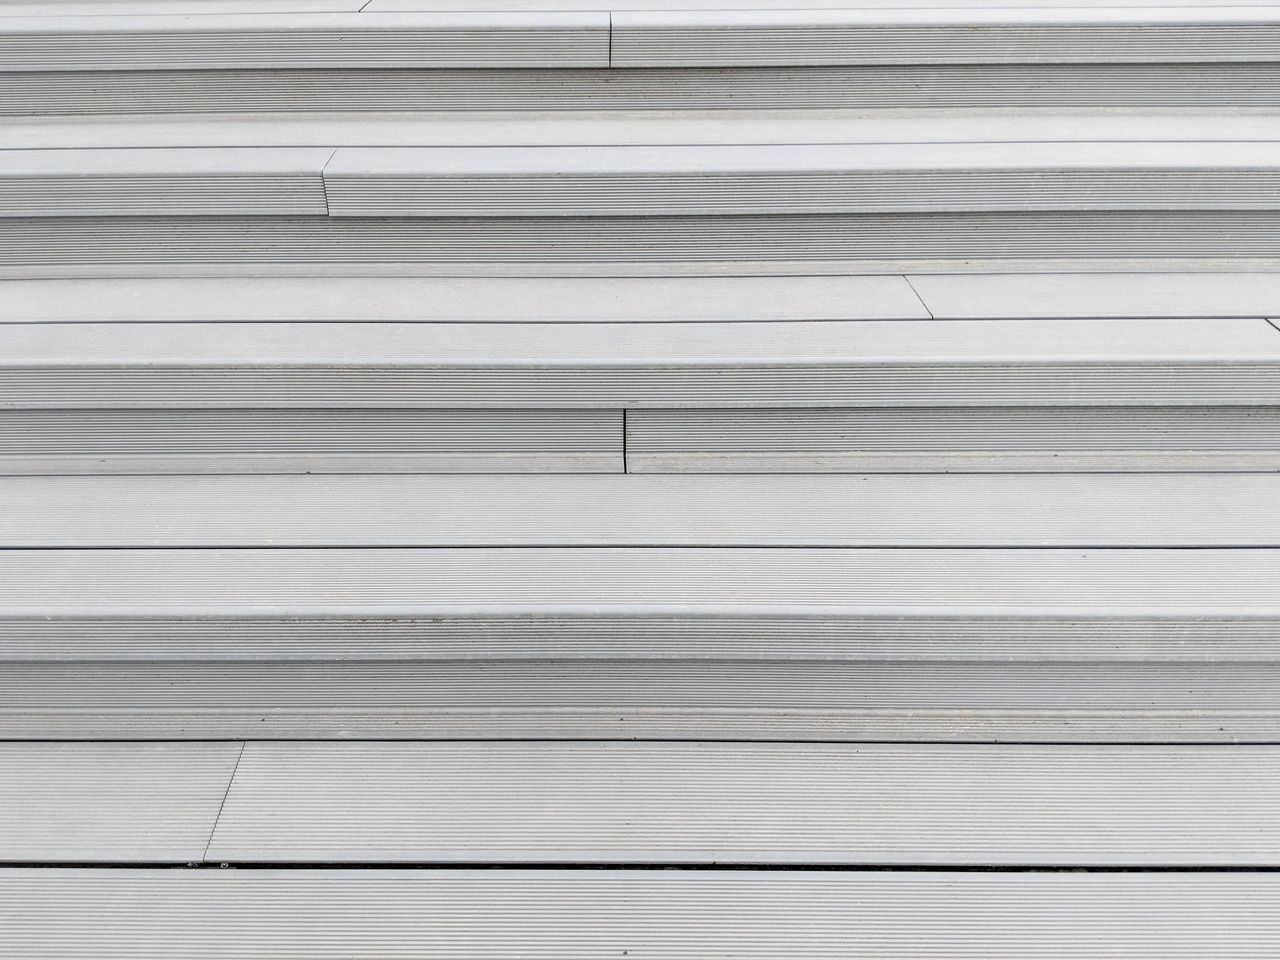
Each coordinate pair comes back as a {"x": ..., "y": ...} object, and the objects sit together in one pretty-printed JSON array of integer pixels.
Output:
[
  {"x": 638, "y": 346},
  {"x": 853, "y": 36},
  {"x": 74, "y": 241},
  {"x": 960, "y": 438},
  {"x": 472, "y": 299},
  {"x": 63, "y": 92},
  {"x": 264, "y": 440},
  {"x": 849, "y": 511},
  {"x": 783, "y": 178},
  {"x": 723, "y": 803},
  {"x": 797, "y": 636},
  {"x": 638, "y": 581},
  {"x": 76, "y": 802},
  {"x": 576, "y": 915},
  {"x": 302, "y": 40},
  {"x": 160, "y": 196},
  {"x": 1032, "y": 296},
  {"x": 715, "y": 194},
  {"x": 658, "y": 699},
  {"x": 789, "y": 364},
  {"x": 733, "y": 385}
]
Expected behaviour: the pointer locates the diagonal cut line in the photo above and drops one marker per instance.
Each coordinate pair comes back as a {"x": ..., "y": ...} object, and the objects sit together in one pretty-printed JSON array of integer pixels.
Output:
[{"x": 218, "y": 816}]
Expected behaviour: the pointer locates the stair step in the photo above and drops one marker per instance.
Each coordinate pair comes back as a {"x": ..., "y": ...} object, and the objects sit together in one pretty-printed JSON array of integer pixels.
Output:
[
  {"x": 781, "y": 396},
  {"x": 638, "y": 803},
  {"x": 1060, "y": 510},
  {"x": 751, "y": 803},
  {"x": 1091, "y": 240},
  {"x": 570, "y": 914},
  {"x": 271, "y": 40}
]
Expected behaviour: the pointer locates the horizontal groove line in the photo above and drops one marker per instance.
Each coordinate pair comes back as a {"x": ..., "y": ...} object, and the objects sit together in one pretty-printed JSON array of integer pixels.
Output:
[
  {"x": 639, "y": 545},
  {"x": 253, "y": 865}
]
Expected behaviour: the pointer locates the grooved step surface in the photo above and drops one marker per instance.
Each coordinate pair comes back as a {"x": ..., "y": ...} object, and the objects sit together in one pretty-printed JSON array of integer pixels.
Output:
[
  {"x": 639, "y": 582},
  {"x": 322, "y": 439},
  {"x": 305, "y": 40},
  {"x": 848, "y": 511},
  {"x": 884, "y": 6},
  {"x": 88, "y": 8},
  {"x": 76, "y": 802},
  {"x": 1220, "y": 86},
  {"x": 855, "y": 35},
  {"x": 594, "y": 126},
  {"x": 1033, "y": 296},
  {"x": 981, "y": 439},
  {"x": 127, "y": 182},
  {"x": 661, "y": 915},
  {"x": 777, "y": 636},
  {"x": 751, "y": 803},
  {"x": 456, "y": 299},
  {"x": 831, "y": 364},
  {"x": 1106, "y": 702},
  {"x": 325, "y": 242},
  {"x": 810, "y": 178}
]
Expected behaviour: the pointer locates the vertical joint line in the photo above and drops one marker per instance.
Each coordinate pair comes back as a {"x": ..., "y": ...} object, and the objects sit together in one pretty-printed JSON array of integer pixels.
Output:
[
  {"x": 610, "y": 57},
  {"x": 324, "y": 182},
  {"x": 912, "y": 287},
  {"x": 225, "y": 793},
  {"x": 624, "y": 441}
]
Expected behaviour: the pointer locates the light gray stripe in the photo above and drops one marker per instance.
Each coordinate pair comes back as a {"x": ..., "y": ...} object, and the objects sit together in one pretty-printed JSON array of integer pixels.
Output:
[
  {"x": 642, "y": 582},
  {"x": 450, "y": 126},
  {"x": 845, "y": 511},
  {"x": 454, "y": 299},
  {"x": 1048, "y": 295}
]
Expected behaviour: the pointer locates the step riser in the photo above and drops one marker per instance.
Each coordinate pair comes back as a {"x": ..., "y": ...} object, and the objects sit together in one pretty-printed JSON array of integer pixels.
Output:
[
  {"x": 890, "y": 87},
  {"x": 151, "y": 243}
]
